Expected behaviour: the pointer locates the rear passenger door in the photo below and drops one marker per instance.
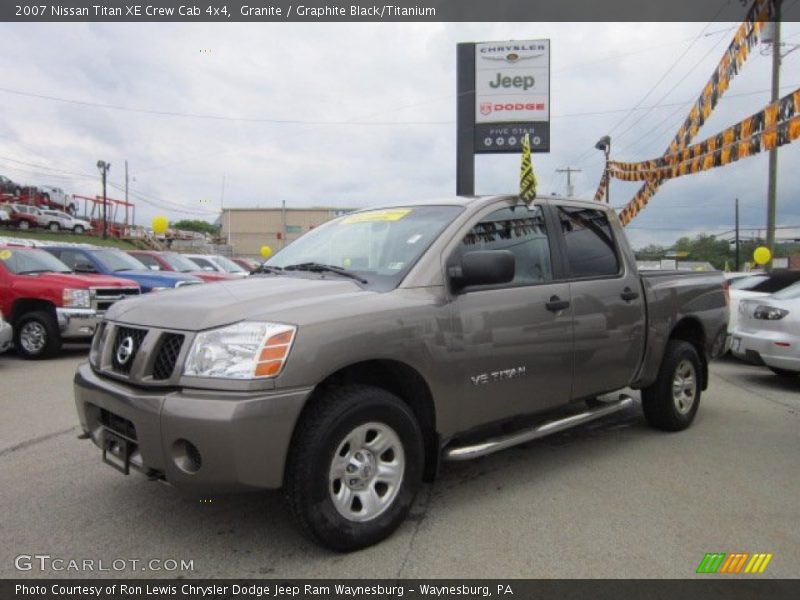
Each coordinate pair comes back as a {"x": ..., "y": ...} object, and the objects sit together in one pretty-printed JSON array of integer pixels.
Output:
[{"x": 607, "y": 304}]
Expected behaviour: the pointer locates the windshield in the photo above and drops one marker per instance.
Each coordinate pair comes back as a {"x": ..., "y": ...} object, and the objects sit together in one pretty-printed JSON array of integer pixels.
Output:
[
  {"x": 790, "y": 293},
  {"x": 113, "y": 260},
  {"x": 180, "y": 263},
  {"x": 21, "y": 262},
  {"x": 746, "y": 283},
  {"x": 380, "y": 245},
  {"x": 228, "y": 265}
]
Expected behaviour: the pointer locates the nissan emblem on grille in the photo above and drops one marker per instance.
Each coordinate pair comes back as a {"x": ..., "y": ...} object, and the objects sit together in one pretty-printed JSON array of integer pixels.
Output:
[{"x": 125, "y": 350}]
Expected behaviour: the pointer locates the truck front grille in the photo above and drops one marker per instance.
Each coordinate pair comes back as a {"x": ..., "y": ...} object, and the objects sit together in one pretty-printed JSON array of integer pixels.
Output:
[
  {"x": 168, "y": 351},
  {"x": 105, "y": 297},
  {"x": 131, "y": 340}
]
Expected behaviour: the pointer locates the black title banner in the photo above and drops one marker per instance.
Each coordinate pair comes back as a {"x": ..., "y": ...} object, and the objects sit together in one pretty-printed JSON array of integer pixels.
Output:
[{"x": 363, "y": 10}]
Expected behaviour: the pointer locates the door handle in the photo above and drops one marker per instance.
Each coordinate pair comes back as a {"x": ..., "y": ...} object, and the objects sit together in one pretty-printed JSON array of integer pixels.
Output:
[
  {"x": 556, "y": 304},
  {"x": 628, "y": 294}
]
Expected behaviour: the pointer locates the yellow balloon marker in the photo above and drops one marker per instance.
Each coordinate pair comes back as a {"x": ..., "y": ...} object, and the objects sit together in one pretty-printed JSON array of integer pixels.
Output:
[
  {"x": 5, "y": 254},
  {"x": 160, "y": 224},
  {"x": 266, "y": 251},
  {"x": 762, "y": 255}
]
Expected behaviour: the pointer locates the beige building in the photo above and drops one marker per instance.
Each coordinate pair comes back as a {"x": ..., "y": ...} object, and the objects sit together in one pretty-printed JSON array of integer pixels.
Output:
[{"x": 248, "y": 229}]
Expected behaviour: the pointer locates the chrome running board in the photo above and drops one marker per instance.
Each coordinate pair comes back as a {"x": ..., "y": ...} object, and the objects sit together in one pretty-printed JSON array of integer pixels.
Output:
[{"x": 501, "y": 443}]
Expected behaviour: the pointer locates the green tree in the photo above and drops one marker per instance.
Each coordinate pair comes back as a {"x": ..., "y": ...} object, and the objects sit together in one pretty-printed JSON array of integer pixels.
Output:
[{"x": 195, "y": 225}]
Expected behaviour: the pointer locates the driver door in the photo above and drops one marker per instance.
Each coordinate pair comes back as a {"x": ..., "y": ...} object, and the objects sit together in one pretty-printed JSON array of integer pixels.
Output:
[{"x": 513, "y": 343}]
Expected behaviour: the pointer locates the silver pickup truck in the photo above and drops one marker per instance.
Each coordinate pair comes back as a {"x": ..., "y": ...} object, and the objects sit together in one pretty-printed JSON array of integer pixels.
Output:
[{"x": 388, "y": 340}]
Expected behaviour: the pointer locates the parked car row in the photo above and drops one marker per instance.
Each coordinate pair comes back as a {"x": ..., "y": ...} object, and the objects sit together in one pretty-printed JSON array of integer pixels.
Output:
[
  {"x": 60, "y": 293},
  {"x": 26, "y": 216}
]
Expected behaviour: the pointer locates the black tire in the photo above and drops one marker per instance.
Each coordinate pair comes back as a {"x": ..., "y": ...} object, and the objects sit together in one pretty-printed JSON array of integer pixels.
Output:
[
  {"x": 35, "y": 324},
  {"x": 664, "y": 409},
  {"x": 78, "y": 229},
  {"x": 324, "y": 429},
  {"x": 23, "y": 225},
  {"x": 54, "y": 226},
  {"x": 784, "y": 372}
]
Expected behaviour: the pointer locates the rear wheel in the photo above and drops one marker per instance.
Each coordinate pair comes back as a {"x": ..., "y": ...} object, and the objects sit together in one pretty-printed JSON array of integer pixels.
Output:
[
  {"x": 36, "y": 335},
  {"x": 671, "y": 402},
  {"x": 23, "y": 225},
  {"x": 784, "y": 372},
  {"x": 354, "y": 468}
]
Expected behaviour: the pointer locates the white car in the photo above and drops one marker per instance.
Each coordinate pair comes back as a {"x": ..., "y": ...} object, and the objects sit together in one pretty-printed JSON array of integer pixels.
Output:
[
  {"x": 768, "y": 331},
  {"x": 216, "y": 263},
  {"x": 60, "y": 198},
  {"x": 5, "y": 334},
  {"x": 754, "y": 286},
  {"x": 65, "y": 221}
]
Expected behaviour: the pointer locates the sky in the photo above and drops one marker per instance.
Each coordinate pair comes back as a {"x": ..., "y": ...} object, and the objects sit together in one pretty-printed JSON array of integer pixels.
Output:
[{"x": 354, "y": 115}]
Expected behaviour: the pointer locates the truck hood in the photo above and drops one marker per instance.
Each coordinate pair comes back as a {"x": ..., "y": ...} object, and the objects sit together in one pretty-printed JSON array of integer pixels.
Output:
[
  {"x": 283, "y": 299},
  {"x": 75, "y": 280}
]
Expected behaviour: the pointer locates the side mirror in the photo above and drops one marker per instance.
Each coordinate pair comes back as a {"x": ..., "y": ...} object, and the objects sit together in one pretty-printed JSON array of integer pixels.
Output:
[
  {"x": 84, "y": 268},
  {"x": 210, "y": 269},
  {"x": 155, "y": 268},
  {"x": 483, "y": 267}
]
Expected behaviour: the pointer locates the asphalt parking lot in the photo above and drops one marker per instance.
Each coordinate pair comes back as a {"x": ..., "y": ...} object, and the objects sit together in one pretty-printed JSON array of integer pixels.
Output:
[{"x": 611, "y": 499}]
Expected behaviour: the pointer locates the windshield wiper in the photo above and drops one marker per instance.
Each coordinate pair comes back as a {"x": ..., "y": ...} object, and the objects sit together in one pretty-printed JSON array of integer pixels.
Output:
[
  {"x": 267, "y": 269},
  {"x": 319, "y": 268},
  {"x": 38, "y": 271}
]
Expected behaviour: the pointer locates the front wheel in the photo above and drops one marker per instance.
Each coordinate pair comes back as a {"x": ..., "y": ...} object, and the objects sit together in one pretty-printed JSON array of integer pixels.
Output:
[
  {"x": 54, "y": 227},
  {"x": 23, "y": 225},
  {"x": 36, "y": 335},
  {"x": 671, "y": 402},
  {"x": 78, "y": 229},
  {"x": 354, "y": 468}
]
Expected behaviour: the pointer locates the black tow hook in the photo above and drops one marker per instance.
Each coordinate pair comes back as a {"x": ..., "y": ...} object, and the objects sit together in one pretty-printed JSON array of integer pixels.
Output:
[{"x": 84, "y": 436}]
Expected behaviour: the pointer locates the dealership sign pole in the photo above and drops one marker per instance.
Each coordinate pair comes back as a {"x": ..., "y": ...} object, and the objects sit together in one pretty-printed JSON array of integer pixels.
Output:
[{"x": 503, "y": 94}]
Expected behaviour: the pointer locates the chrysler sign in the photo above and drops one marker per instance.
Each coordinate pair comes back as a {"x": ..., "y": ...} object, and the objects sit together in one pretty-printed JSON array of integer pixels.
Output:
[{"x": 512, "y": 82}]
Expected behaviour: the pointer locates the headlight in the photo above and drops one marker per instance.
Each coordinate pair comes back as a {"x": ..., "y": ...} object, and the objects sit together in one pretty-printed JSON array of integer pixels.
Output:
[
  {"x": 76, "y": 298},
  {"x": 159, "y": 289},
  {"x": 769, "y": 313},
  {"x": 247, "y": 350}
]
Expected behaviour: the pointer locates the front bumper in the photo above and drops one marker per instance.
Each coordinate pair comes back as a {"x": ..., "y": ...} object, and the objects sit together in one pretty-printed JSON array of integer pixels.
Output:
[
  {"x": 240, "y": 439},
  {"x": 77, "y": 322},
  {"x": 767, "y": 346},
  {"x": 6, "y": 335}
]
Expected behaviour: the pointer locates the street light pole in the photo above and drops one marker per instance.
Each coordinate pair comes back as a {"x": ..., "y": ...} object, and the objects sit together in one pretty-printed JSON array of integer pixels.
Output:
[
  {"x": 104, "y": 167},
  {"x": 604, "y": 144},
  {"x": 737, "y": 235}
]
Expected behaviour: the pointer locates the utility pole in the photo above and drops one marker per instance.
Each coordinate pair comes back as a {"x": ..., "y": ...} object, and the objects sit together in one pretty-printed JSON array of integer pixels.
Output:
[
  {"x": 773, "y": 154},
  {"x": 569, "y": 171},
  {"x": 222, "y": 213},
  {"x": 126, "y": 193},
  {"x": 737, "y": 235},
  {"x": 104, "y": 167}
]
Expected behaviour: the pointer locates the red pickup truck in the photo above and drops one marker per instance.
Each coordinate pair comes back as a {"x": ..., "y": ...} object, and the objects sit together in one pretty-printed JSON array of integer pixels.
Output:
[{"x": 46, "y": 302}]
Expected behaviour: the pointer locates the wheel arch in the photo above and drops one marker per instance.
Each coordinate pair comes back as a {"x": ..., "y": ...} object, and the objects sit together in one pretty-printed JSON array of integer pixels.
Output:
[
  {"x": 398, "y": 378},
  {"x": 23, "y": 306},
  {"x": 691, "y": 330}
]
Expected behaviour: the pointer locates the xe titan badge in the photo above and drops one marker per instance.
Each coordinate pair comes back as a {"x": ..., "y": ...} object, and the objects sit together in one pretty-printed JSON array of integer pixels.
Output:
[{"x": 125, "y": 350}]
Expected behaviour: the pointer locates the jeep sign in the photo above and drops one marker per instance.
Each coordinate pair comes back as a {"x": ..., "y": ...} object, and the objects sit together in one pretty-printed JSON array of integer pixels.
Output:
[
  {"x": 512, "y": 82},
  {"x": 503, "y": 93}
]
